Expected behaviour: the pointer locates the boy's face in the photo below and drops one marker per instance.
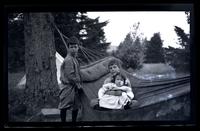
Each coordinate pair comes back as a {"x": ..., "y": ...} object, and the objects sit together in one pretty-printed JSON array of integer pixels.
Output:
[
  {"x": 73, "y": 49},
  {"x": 114, "y": 69},
  {"x": 118, "y": 81}
]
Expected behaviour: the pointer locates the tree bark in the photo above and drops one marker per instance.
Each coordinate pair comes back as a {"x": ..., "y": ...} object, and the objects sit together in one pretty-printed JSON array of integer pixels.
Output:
[{"x": 40, "y": 62}]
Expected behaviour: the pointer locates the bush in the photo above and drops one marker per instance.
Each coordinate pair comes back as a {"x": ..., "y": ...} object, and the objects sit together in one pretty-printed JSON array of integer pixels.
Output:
[{"x": 178, "y": 58}]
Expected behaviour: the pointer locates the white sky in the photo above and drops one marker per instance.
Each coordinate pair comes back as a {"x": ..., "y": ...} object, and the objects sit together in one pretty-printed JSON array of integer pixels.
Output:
[{"x": 120, "y": 24}]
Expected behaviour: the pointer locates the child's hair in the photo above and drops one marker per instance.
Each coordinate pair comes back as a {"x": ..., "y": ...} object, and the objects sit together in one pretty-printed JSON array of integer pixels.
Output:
[
  {"x": 113, "y": 62},
  {"x": 122, "y": 76},
  {"x": 73, "y": 41}
]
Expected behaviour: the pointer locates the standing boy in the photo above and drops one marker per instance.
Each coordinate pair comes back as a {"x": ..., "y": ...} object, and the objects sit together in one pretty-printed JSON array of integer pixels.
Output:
[{"x": 70, "y": 82}]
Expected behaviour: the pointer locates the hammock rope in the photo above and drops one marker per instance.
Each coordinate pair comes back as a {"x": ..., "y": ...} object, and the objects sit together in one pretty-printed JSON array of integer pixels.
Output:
[{"x": 91, "y": 55}]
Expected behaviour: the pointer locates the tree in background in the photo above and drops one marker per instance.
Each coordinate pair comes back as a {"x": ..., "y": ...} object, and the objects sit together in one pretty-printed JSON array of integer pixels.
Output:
[
  {"x": 16, "y": 46},
  {"x": 154, "y": 51},
  {"x": 183, "y": 38},
  {"x": 92, "y": 37},
  {"x": 89, "y": 31},
  {"x": 67, "y": 23},
  {"x": 130, "y": 51},
  {"x": 179, "y": 57},
  {"x": 184, "y": 41},
  {"x": 188, "y": 16}
]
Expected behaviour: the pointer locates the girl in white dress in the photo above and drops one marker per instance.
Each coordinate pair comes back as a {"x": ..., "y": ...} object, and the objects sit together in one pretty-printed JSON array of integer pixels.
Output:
[{"x": 112, "y": 101}]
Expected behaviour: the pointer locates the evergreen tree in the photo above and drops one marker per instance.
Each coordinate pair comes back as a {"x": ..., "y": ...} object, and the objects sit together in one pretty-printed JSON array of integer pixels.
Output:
[
  {"x": 154, "y": 50},
  {"x": 70, "y": 24},
  {"x": 89, "y": 31},
  {"x": 188, "y": 16},
  {"x": 92, "y": 34},
  {"x": 41, "y": 79},
  {"x": 180, "y": 57},
  {"x": 183, "y": 38},
  {"x": 184, "y": 41},
  {"x": 67, "y": 23},
  {"x": 16, "y": 46}
]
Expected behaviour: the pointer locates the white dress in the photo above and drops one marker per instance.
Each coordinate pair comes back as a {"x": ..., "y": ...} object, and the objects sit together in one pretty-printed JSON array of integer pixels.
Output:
[{"x": 111, "y": 101}]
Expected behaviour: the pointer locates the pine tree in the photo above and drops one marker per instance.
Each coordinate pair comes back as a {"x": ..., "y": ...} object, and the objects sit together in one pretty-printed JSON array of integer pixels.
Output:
[
  {"x": 41, "y": 79},
  {"x": 154, "y": 50},
  {"x": 94, "y": 37},
  {"x": 15, "y": 42},
  {"x": 89, "y": 31},
  {"x": 188, "y": 16},
  {"x": 183, "y": 55},
  {"x": 67, "y": 23},
  {"x": 183, "y": 38}
]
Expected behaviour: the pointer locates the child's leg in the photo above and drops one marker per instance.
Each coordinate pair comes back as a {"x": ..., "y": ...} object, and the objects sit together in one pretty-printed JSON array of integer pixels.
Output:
[
  {"x": 63, "y": 115},
  {"x": 94, "y": 103},
  {"x": 74, "y": 115}
]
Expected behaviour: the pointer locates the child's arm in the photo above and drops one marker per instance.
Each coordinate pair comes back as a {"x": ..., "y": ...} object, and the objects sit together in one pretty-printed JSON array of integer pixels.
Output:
[
  {"x": 122, "y": 88},
  {"x": 101, "y": 92},
  {"x": 104, "y": 89},
  {"x": 128, "y": 91},
  {"x": 113, "y": 91}
]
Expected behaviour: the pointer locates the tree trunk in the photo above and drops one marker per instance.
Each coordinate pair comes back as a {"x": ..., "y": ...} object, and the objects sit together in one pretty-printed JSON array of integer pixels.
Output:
[{"x": 41, "y": 79}]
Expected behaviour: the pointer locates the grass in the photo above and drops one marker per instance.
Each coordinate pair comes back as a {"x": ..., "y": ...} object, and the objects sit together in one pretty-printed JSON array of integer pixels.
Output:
[
  {"x": 158, "y": 68},
  {"x": 16, "y": 108},
  {"x": 16, "y": 98},
  {"x": 157, "y": 71},
  {"x": 14, "y": 78}
]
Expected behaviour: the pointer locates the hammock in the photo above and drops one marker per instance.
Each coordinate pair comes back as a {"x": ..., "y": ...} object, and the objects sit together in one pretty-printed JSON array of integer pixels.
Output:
[{"x": 149, "y": 94}]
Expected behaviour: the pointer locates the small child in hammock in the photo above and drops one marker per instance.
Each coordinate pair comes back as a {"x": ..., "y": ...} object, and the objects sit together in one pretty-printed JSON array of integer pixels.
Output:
[{"x": 115, "y": 102}]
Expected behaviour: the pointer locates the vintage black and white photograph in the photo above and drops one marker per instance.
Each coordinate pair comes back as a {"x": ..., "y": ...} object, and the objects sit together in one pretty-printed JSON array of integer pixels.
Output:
[{"x": 99, "y": 66}]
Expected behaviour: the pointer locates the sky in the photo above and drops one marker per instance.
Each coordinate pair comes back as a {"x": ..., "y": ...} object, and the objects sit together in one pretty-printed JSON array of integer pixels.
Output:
[{"x": 120, "y": 24}]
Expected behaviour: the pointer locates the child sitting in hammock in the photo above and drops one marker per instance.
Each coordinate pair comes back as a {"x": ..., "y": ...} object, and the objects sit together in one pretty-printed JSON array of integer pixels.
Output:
[{"x": 112, "y": 101}]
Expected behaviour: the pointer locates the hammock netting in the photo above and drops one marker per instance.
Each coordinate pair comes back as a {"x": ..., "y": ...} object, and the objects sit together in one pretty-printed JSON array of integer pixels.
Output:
[
  {"x": 149, "y": 94},
  {"x": 146, "y": 92}
]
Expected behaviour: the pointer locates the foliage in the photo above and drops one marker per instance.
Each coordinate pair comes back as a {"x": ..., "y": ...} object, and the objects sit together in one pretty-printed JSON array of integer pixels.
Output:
[
  {"x": 183, "y": 38},
  {"x": 179, "y": 57},
  {"x": 131, "y": 52},
  {"x": 188, "y": 16},
  {"x": 16, "y": 46},
  {"x": 154, "y": 52},
  {"x": 67, "y": 24},
  {"x": 89, "y": 31}
]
